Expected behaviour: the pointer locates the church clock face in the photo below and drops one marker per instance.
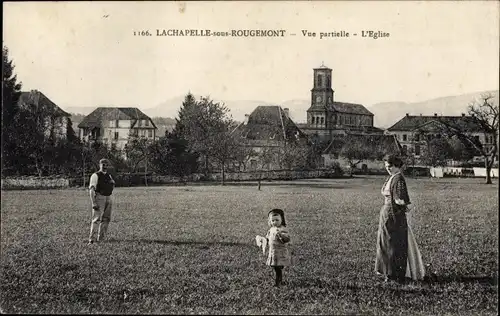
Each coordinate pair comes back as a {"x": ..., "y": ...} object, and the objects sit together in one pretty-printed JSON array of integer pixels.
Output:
[{"x": 318, "y": 98}]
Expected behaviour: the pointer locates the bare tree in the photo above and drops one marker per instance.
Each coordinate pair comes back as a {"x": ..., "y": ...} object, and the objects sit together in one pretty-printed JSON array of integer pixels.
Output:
[
  {"x": 266, "y": 157},
  {"x": 483, "y": 114}
]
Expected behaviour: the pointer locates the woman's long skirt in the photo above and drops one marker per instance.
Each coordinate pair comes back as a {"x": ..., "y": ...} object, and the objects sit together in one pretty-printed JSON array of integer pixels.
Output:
[
  {"x": 392, "y": 243},
  {"x": 398, "y": 255},
  {"x": 415, "y": 266}
]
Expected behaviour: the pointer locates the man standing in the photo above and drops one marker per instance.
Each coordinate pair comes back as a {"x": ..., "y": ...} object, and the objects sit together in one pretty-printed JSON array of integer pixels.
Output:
[{"x": 101, "y": 187}]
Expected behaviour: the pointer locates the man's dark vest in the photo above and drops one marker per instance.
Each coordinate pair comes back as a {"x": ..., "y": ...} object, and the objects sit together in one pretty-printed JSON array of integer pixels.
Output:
[{"x": 104, "y": 185}]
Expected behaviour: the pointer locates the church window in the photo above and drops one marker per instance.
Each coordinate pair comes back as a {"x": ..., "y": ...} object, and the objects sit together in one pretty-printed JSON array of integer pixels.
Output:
[
  {"x": 328, "y": 83},
  {"x": 320, "y": 82},
  {"x": 322, "y": 120},
  {"x": 404, "y": 137}
]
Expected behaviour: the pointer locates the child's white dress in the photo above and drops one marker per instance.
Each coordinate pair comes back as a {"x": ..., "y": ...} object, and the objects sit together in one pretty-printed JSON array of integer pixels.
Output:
[{"x": 278, "y": 255}]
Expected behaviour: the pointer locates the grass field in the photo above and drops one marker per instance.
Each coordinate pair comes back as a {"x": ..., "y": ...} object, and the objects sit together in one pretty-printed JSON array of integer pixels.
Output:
[{"x": 190, "y": 249}]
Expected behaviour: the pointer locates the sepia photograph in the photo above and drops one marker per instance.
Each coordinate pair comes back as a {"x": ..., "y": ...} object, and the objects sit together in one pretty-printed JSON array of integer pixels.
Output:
[{"x": 250, "y": 157}]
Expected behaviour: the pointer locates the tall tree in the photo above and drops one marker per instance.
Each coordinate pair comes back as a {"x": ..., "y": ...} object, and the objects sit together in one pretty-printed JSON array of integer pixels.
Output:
[
  {"x": 11, "y": 91},
  {"x": 206, "y": 126},
  {"x": 184, "y": 114},
  {"x": 483, "y": 114},
  {"x": 170, "y": 155},
  {"x": 220, "y": 143},
  {"x": 37, "y": 138},
  {"x": 138, "y": 152}
]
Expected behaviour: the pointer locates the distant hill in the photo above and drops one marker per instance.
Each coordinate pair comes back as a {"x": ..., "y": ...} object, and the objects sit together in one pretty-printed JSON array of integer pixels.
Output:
[
  {"x": 388, "y": 113},
  {"x": 84, "y": 110},
  {"x": 238, "y": 108}
]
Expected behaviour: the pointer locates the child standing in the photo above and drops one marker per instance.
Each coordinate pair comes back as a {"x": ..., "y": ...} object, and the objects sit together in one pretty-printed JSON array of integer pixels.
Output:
[{"x": 276, "y": 239}]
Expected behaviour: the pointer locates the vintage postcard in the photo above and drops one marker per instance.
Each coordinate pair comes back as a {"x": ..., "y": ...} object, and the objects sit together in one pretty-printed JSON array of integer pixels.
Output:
[{"x": 147, "y": 147}]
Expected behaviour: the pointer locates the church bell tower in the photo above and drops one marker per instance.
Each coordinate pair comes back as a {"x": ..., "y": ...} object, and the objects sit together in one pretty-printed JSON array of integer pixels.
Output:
[{"x": 319, "y": 113}]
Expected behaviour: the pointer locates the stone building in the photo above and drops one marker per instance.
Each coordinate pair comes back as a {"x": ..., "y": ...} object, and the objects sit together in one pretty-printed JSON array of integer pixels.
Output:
[
  {"x": 114, "y": 125},
  {"x": 327, "y": 118},
  {"x": 265, "y": 135},
  {"x": 414, "y": 131},
  {"x": 56, "y": 120}
]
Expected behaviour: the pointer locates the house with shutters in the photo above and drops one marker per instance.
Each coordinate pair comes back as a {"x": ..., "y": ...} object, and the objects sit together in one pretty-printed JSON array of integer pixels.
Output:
[
  {"x": 114, "y": 125},
  {"x": 414, "y": 131},
  {"x": 266, "y": 134},
  {"x": 56, "y": 120}
]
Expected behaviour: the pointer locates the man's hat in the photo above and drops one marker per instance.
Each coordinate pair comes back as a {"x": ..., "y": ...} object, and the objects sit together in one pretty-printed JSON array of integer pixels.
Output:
[{"x": 104, "y": 160}]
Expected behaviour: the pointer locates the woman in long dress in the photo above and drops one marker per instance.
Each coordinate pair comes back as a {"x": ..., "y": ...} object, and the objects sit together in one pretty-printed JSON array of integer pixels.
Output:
[{"x": 397, "y": 251}]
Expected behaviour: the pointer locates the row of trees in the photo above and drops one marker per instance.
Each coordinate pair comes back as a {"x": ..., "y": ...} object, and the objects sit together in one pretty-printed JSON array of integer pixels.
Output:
[
  {"x": 201, "y": 141},
  {"x": 37, "y": 139}
]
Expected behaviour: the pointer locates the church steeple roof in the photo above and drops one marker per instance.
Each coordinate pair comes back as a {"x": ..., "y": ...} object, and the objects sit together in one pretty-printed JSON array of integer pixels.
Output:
[{"x": 323, "y": 67}]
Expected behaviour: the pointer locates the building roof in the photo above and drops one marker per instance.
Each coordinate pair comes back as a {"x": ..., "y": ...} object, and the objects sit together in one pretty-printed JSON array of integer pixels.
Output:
[
  {"x": 322, "y": 67},
  {"x": 363, "y": 130},
  {"x": 412, "y": 122},
  {"x": 351, "y": 108},
  {"x": 37, "y": 98},
  {"x": 101, "y": 114},
  {"x": 269, "y": 123},
  {"x": 389, "y": 143}
]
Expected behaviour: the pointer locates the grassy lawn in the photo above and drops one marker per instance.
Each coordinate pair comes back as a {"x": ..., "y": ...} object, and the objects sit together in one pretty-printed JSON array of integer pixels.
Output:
[{"x": 190, "y": 249}]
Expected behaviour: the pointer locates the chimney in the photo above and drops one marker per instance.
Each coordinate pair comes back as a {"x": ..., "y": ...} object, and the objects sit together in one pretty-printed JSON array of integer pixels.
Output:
[
  {"x": 463, "y": 114},
  {"x": 287, "y": 111},
  {"x": 435, "y": 114},
  {"x": 407, "y": 114},
  {"x": 246, "y": 119},
  {"x": 420, "y": 114}
]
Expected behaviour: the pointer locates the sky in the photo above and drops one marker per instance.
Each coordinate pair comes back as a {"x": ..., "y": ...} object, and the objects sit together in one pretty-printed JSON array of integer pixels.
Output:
[{"x": 84, "y": 54}]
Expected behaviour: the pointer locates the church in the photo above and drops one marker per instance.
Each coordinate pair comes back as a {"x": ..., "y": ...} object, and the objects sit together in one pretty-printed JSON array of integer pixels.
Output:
[
  {"x": 328, "y": 119},
  {"x": 268, "y": 130}
]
